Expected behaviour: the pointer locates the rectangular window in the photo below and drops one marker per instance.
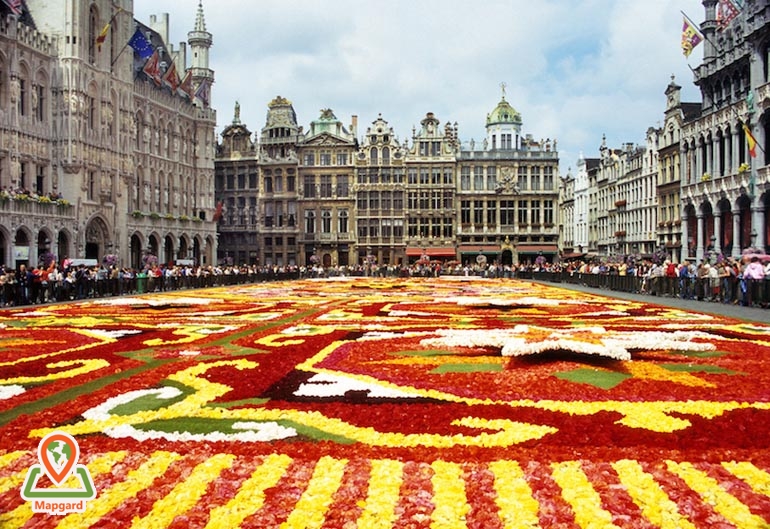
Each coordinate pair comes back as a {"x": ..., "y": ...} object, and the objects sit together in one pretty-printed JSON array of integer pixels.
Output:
[
  {"x": 448, "y": 230},
  {"x": 411, "y": 176},
  {"x": 424, "y": 176},
  {"x": 435, "y": 200},
  {"x": 343, "y": 186},
  {"x": 522, "y": 178},
  {"x": 548, "y": 212},
  {"x": 523, "y": 208},
  {"x": 374, "y": 227},
  {"x": 435, "y": 176},
  {"x": 448, "y": 199},
  {"x": 548, "y": 178},
  {"x": 309, "y": 158},
  {"x": 424, "y": 200},
  {"x": 506, "y": 141},
  {"x": 478, "y": 212},
  {"x": 465, "y": 179},
  {"x": 491, "y": 178},
  {"x": 362, "y": 200},
  {"x": 412, "y": 230},
  {"x": 40, "y": 180},
  {"x": 40, "y": 109},
  {"x": 411, "y": 200},
  {"x": 398, "y": 228},
  {"x": 491, "y": 213},
  {"x": 241, "y": 181},
  {"x": 91, "y": 181},
  {"x": 374, "y": 200},
  {"x": 534, "y": 178},
  {"x": 342, "y": 158},
  {"x": 387, "y": 227},
  {"x": 325, "y": 158},
  {"x": 309, "y": 186},
  {"x": 326, "y": 186},
  {"x": 291, "y": 183},
  {"x": 507, "y": 217},
  {"x": 387, "y": 201},
  {"x": 398, "y": 200},
  {"x": 465, "y": 212},
  {"x": 535, "y": 212},
  {"x": 361, "y": 176},
  {"x": 478, "y": 178},
  {"x": 269, "y": 214},
  {"x": 449, "y": 179},
  {"x": 252, "y": 180},
  {"x": 435, "y": 148},
  {"x": 230, "y": 181}
]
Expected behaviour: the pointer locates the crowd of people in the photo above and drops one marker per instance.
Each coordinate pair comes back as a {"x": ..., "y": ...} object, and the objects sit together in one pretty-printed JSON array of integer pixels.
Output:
[{"x": 744, "y": 281}]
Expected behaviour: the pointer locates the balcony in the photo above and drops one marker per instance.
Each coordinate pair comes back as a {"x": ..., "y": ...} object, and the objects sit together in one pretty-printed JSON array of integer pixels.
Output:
[{"x": 37, "y": 207}]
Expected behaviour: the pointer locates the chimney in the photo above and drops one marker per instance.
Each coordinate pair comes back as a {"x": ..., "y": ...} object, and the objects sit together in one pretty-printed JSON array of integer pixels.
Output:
[{"x": 354, "y": 125}]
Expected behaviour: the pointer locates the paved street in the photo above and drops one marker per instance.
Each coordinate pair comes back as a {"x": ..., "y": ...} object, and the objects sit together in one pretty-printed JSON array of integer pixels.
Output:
[{"x": 732, "y": 311}]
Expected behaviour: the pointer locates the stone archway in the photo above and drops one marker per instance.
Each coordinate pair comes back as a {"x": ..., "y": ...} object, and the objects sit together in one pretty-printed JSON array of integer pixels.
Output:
[{"x": 97, "y": 238}]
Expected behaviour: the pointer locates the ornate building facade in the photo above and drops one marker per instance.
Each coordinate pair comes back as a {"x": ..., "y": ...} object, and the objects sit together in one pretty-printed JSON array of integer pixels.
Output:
[
  {"x": 725, "y": 189},
  {"x": 380, "y": 201},
  {"x": 97, "y": 159}
]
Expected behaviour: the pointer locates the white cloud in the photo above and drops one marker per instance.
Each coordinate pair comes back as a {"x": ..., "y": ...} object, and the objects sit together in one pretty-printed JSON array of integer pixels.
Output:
[{"x": 575, "y": 70}]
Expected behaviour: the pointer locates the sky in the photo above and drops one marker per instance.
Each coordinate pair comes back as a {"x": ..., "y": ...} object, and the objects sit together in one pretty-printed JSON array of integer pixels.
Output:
[{"x": 576, "y": 70}]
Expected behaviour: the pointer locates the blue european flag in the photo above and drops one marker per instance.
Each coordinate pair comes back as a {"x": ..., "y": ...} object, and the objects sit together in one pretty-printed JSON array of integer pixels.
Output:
[{"x": 141, "y": 45}]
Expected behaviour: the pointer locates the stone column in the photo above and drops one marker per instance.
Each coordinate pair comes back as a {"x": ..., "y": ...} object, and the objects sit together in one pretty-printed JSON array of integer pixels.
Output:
[
  {"x": 717, "y": 232},
  {"x": 700, "y": 248},
  {"x": 736, "y": 232},
  {"x": 685, "y": 248},
  {"x": 758, "y": 224}
]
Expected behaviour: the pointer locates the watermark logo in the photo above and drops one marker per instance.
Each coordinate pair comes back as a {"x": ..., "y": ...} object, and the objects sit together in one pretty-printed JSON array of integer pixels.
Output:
[{"x": 58, "y": 453}]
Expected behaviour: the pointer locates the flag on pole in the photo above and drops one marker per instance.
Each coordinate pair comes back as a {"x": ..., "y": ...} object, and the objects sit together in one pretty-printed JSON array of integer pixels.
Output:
[
  {"x": 186, "y": 87},
  {"x": 750, "y": 141},
  {"x": 691, "y": 37},
  {"x": 726, "y": 12},
  {"x": 170, "y": 78},
  {"x": 218, "y": 212},
  {"x": 202, "y": 92},
  {"x": 140, "y": 44},
  {"x": 152, "y": 68},
  {"x": 15, "y": 6},
  {"x": 102, "y": 36}
]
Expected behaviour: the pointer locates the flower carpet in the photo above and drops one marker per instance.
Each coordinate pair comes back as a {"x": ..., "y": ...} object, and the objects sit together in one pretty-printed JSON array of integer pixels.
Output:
[{"x": 378, "y": 403}]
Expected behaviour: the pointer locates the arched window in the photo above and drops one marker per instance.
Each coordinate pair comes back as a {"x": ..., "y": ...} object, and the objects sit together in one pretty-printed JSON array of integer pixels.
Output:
[
  {"x": 3, "y": 83},
  {"x": 373, "y": 156},
  {"x": 40, "y": 97},
  {"x": 386, "y": 155},
  {"x": 93, "y": 31},
  {"x": 309, "y": 221},
  {"x": 23, "y": 96}
]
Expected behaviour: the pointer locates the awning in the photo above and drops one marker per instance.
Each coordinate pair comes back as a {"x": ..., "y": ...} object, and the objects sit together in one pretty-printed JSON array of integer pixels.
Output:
[
  {"x": 572, "y": 255},
  {"x": 431, "y": 252},
  {"x": 476, "y": 248},
  {"x": 535, "y": 248}
]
